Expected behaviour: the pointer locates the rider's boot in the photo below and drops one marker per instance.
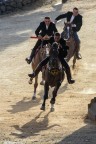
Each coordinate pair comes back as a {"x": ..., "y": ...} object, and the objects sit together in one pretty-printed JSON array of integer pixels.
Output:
[
  {"x": 29, "y": 59},
  {"x": 69, "y": 77},
  {"x": 38, "y": 69}
]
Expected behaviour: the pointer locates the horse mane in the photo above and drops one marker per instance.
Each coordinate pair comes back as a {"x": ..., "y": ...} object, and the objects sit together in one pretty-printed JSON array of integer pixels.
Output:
[{"x": 54, "y": 48}]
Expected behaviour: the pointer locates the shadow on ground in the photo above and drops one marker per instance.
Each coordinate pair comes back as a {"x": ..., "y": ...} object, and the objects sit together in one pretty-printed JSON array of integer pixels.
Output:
[
  {"x": 24, "y": 105},
  {"x": 84, "y": 135},
  {"x": 33, "y": 127}
]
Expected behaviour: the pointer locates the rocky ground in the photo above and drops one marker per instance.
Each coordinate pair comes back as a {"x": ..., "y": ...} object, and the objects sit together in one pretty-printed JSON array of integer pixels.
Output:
[{"x": 21, "y": 120}]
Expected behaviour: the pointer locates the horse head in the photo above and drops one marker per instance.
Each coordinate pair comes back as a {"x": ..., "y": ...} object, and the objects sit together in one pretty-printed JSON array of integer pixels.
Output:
[
  {"x": 54, "y": 63},
  {"x": 54, "y": 50},
  {"x": 68, "y": 31}
]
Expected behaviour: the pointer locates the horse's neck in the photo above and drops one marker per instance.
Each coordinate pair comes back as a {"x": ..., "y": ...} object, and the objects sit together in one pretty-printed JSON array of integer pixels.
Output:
[
  {"x": 58, "y": 64},
  {"x": 70, "y": 41},
  {"x": 71, "y": 45},
  {"x": 67, "y": 32}
]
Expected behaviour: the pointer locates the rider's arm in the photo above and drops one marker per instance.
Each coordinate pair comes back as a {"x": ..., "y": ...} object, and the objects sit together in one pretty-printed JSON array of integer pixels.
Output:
[
  {"x": 61, "y": 16},
  {"x": 37, "y": 31},
  {"x": 51, "y": 40},
  {"x": 63, "y": 49},
  {"x": 63, "y": 44},
  {"x": 78, "y": 25}
]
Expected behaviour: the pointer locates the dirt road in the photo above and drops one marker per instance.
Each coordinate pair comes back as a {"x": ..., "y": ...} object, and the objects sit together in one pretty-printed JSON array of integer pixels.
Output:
[{"x": 21, "y": 120}]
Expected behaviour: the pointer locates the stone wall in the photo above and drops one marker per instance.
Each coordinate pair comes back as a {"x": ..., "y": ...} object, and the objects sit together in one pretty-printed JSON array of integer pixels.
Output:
[{"x": 7, "y": 6}]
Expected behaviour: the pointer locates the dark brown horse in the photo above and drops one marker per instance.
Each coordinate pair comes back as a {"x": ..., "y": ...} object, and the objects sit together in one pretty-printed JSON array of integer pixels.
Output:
[
  {"x": 40, "y": 55},
  {"x": 67, "y": 34},
  {"x": 54, "y": 75}
]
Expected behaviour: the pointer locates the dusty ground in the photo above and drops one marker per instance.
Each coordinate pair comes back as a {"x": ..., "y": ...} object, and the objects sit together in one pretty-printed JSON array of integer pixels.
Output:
[{"x": 21, "y": 120}]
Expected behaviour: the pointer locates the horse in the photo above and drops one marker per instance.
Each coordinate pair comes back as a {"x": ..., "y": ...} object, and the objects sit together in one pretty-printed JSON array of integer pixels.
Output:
[
  {"x": 54, "y": 76},
  {"x": 67, "y": 35},
  {"x": 41, "y": 53}
]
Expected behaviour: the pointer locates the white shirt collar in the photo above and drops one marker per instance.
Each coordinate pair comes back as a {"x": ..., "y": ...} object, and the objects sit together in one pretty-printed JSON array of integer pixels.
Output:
[
  {"x": 46, "y": 27},
  {"x": 72, "y": 18}
]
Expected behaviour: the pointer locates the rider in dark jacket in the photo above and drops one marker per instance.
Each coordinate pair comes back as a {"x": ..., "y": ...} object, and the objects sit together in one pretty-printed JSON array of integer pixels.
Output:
[
  {"x": 76, "y": 20},
  {"x": 46, "y": 29},
  {"x": 62, "y": 53}
]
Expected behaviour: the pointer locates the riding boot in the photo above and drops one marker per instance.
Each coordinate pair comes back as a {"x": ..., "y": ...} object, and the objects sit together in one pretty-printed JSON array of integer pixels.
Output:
[
  {"x": 67, "y": 70},
  {"x": 69, "y": 77},
  {"x": 78, "y": 55},
  {"x": 29, "y": 59},
  {"x": 39, "y": 67}
]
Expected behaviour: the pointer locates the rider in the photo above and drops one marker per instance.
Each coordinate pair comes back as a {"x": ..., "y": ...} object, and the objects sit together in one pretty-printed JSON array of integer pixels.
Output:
[
  {"x": 76, "y": 19},
  {"x": 62, "y": 53},
  {"x": 45, "y": 30}
]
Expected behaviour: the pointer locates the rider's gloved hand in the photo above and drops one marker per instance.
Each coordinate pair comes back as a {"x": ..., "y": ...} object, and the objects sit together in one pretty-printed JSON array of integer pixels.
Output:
[
  {"x": 39, "y": 37},
  {"x": 46, "y": 37},
  {"x": 73, "y": 25}
]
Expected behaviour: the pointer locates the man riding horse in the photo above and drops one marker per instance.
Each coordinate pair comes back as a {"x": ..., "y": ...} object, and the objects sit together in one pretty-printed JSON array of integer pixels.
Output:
[
  {"x": 76, "y": 20},
  {"x": 45, "y": 30},
  {"x": 62, "y": 54}
]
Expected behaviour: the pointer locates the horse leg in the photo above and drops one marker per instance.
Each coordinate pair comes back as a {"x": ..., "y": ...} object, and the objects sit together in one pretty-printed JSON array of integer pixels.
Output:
[
  {"x": 74, "y": 61},
  {"x": 43, "y": 75},
  {"x": 35, "y": 87},
  {"x": 54, "y": 96},
  {"x": 46, "y": 89}
]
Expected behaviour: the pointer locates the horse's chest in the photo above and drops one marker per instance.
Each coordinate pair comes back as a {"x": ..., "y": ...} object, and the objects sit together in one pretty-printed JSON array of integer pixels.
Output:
[{"x": 53, "y": 76}]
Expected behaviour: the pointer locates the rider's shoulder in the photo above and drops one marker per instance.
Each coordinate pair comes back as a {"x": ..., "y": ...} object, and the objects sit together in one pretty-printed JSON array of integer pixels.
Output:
[
  {"x": 80, "y": 16},
  {"x": 52, "y": 38},
  {"x": 69, "y": 12},
  {"x": 62, "y": 39},
  {"x": 52, "y": 23},
  {"x": 42, "y": 23}
]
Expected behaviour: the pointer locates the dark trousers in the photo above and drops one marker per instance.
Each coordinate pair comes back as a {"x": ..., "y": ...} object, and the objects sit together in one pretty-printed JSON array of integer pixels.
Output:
[
  {"x": 76, "y": 37},
  {"x": 67, "y": 68}
]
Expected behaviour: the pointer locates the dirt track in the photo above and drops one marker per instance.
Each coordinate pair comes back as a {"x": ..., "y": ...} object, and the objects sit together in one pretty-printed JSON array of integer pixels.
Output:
[{"x": 21, "y": 120}]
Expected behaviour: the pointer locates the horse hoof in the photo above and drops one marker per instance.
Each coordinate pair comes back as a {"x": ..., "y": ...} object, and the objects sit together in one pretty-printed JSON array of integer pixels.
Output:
[
  {"x": 52, "y": 110},
  {"x": 30, "y": 81},
  {"x": 42, "y": 108},
  {"x": 42, "y": 83},
  {"x": 73, "y": 67},
  {"x": 33, "y": 98},
  {"x": 52, "y": 101}
]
